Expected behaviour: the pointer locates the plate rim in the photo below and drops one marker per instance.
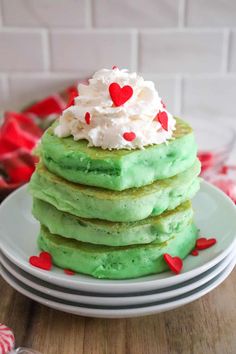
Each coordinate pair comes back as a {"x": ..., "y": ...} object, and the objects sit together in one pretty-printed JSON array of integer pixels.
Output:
[
  {"x": 124, "y": 313},
  {"x": 114, "y": 301}
]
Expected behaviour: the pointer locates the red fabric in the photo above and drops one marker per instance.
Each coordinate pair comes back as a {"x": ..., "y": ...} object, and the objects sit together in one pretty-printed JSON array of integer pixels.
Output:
[
  {"x": 50, "y": 105},
  {"x": 3, "y": 183},
  {"x": 18, "y": 136},
  {"x": 19, "y": 172},
  {"x": 18, "y": 166},
  {"x": 25, "y": 122},
  {"x": 20, "y": 133}
]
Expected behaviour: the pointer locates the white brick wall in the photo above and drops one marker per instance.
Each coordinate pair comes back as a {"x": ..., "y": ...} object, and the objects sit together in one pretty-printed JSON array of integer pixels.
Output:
[
  {"x": 174, "y": 51},
  {"x": 3, "y": 90},
  {"x": 24, "y": 88},
  {"x": 167, "y": 88},
  {"x": 135, "y": 13},
  {"x": 84, "y": 51},
  {"x": 44, "y": 13},
  {"x": 215, "y": 96},
  {"x": 213, "y": 13},
  {"x": 21, "y": 50},
  {"x": 232, "y": 62},
  {"x": 188, "y": 47}
]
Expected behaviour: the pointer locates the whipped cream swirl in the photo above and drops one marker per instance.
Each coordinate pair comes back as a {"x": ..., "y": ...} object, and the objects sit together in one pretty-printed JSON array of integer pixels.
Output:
[{"x": 134, "y": 124}]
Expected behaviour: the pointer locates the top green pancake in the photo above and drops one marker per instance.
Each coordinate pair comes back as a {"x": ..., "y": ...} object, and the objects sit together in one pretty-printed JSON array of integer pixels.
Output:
[{"x": 118, "y": 169}]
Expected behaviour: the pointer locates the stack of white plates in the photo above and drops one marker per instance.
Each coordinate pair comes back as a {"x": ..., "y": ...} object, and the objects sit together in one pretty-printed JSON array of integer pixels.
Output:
[{"x": 215, "y": 215}]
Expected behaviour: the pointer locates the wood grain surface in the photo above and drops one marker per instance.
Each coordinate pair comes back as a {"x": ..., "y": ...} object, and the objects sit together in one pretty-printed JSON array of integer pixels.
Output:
[{"x": 206, "y": 326}]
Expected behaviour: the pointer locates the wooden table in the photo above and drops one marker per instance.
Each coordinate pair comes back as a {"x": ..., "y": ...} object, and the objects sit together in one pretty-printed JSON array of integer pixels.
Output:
[{"x": 206, "y": 326}]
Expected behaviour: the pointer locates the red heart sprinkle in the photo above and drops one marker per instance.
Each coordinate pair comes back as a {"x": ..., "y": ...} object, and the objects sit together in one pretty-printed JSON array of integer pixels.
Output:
[
  {"x": 174, "y": 263},
  {"x": 163, "y": 104},
  {"x": 114, "y": 67},
  {"x": 129, "y": 136},
  {"x": 43, "y": 261},
  {"x": 71, "y": 101},
  {"x": 69, "y": 272},
  {"x": 120, "y": 95},
  {"x": 194, "y": 252},
  {"x": 46, "y": 256},
  {"x": 87, "y": 118},
  {"x": 162, "y": 117},
  {"x": 204, "y": 243}
]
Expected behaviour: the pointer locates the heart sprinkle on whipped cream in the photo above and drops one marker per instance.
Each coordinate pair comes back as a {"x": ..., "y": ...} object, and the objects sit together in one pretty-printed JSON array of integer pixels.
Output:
[{"x": 117, "y": 110}]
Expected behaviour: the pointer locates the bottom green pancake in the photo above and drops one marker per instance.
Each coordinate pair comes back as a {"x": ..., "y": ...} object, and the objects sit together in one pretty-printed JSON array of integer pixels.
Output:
[
  {"x": 155, "y": 228},
  {"x": 116, "y": 262}
]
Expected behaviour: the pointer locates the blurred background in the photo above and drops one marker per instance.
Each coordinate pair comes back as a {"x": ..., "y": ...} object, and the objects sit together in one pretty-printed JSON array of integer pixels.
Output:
[{"x": 187, "y": 47}]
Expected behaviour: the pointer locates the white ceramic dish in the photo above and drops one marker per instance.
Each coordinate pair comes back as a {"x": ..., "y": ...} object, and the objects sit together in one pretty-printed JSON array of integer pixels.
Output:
[
  {"x": 215, "y": 215},
  {"x": 120, "y": 300},
  {"x": 120, "y": 312}
]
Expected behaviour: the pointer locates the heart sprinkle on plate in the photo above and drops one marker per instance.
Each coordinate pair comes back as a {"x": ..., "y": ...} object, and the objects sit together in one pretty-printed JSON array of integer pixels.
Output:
[
  {"x": 195, "y": 252},
  {"x": 204, "y": 243},
  {"x": 43, "y": 261},
  {"x": 69, "y": 272},
  {"x": 174, "y": 263}
]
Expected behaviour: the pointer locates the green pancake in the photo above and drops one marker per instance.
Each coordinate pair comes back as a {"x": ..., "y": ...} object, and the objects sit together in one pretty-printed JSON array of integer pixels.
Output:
[
  {"x": 116, "y": 262},
  {"x": 155, "y": 228},
  {"x": 118, "y": 169},
  {"x": 129, "y": 205}
]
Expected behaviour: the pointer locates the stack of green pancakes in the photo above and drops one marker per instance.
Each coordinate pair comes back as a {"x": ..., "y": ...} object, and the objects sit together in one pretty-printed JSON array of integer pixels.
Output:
[{"x": 113, "y": 214}]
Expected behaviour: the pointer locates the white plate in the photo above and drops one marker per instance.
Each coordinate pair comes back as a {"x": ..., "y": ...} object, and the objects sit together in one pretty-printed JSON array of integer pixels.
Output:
[
  {"x": 215, "y": 215},
  {"x": 121, "y": 312},
  {"x": 119, "y": 300}
]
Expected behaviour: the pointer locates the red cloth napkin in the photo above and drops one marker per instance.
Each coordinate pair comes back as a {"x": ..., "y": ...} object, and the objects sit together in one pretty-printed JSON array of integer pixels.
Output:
[{"x": 19, "y": 134}]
